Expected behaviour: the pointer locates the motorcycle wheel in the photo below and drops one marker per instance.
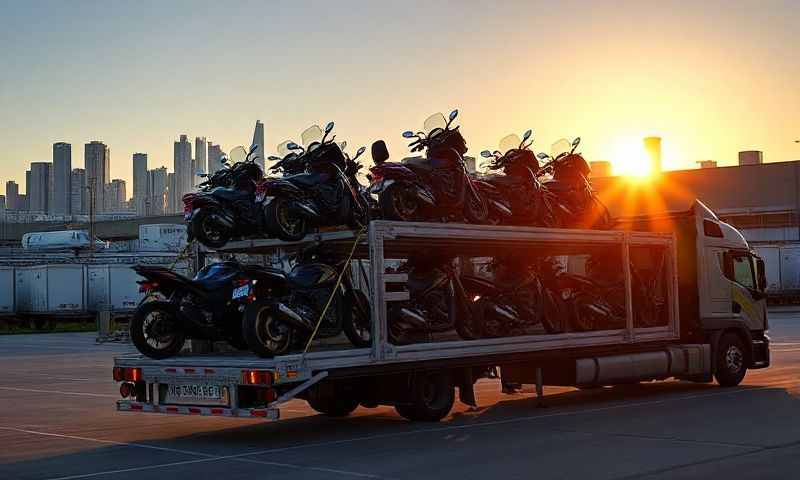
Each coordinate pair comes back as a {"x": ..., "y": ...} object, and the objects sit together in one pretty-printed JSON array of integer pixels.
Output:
[
  {"x": 264, "y": 332},
  {"x": 282, "y": 223},
  {"x": 357, "y": 323},
  {"x": 206, "y": 230},
  {"x": 398, "y": 203},
  {"x": 156, "y": 330},
  {"x": 476, "y": 209}
]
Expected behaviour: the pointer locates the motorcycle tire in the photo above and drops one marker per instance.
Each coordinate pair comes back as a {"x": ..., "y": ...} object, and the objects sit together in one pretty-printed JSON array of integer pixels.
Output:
[
  {"x": 140, "y": 330},
  {"x": 206, "y": 232},
  {"x": 397, "y": 203},
  {"x": 264, "y": 332},
  {"x": 357, "y": 324},
  {"x": 281, "y": 223}
]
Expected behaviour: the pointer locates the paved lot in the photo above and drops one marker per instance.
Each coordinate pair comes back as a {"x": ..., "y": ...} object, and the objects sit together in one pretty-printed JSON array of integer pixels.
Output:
[{"x": 57, "y": 421}]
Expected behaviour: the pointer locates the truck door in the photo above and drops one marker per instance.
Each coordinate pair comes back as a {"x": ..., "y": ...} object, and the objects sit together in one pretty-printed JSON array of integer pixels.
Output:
[{"x": 747, "y": 288}]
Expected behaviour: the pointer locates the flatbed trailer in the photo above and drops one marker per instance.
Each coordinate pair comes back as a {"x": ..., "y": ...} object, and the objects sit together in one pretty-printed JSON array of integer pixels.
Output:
[{"x": 690, "y": 342}]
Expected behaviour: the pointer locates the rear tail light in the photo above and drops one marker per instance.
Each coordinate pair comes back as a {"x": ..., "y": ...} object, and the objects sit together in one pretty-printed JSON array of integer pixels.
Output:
[
  {"x": 127, "y": 374},
  {"x": 256, "y": 377},
  {"x": 241, "y": 282},
  {"x": 146, "y": 287}
]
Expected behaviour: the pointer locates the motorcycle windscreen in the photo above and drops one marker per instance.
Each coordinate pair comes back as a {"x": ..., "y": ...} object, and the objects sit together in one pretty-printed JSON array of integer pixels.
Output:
[
  {"x": 509, "y": 142},
  {"x": 311, "y": 134},
  {"x": 282, "y": 148},
  {"x": 434, "y": 122}
]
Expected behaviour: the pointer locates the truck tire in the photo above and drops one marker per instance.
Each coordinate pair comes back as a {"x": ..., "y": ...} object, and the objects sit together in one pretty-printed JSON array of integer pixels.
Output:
[
  {"x": 432, "y": 399},
  {"x": 731, "y": 360},
  {"x": 333, "y": 406}
]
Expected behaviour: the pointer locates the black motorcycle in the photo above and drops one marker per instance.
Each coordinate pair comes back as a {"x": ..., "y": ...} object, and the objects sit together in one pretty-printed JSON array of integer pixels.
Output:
[
  {"x": 320, "y": 196},
  {"x": 215, "y": 216},
  {"x": 529, "y": 202},
  {"x": 576, "y": 205},
  {"x": 274, "y": 325},
  {"x": 237, "y": 175},
  {"x": 208, "y": 306},
  {"x": 438, "y": 302},
  {"x": 435, "y": 187}
]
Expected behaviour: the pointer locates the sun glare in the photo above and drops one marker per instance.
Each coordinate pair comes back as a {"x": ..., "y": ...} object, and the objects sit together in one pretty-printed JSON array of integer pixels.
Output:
[{"x": 630, "y": 158}]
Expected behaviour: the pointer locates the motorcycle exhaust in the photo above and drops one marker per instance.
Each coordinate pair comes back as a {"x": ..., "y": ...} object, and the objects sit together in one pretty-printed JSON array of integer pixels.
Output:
[
  {"x": 505, "y": 211},
  {"x": 223, "y": 220},
  {"x": 291, "y": 317},
  {"x": 412, "y": 317},
  {"x": 425, "y": 196}
]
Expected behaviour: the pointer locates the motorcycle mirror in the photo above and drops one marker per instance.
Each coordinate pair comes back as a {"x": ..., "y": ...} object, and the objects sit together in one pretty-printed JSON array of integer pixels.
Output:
[
  {"x": 293, "y": 146},
  {"x": 408, "y": 134},
  {"x": 542, "y": 156},
  {"x": 453, "y": 116},
  {"x": 576, "y": 142},
  {"x": 359, "y": 152},
  {"x": 273, "y": 158},
  {"x": 526, "y": 136},
  {"x": 329, "y": 127},
  {"x": 486, "y": 154}
]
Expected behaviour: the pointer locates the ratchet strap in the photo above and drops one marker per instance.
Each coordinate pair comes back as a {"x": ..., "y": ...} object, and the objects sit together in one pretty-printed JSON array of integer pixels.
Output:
[{"x": 335, "y": 288}]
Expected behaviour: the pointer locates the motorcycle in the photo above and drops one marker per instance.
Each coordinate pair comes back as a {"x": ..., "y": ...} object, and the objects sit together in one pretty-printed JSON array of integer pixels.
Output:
[
  {"x": 236, "y": 175},
  {"x": 208, "y": 306},
  {"x": 275, "y": 325},
  {"x": 576, "y": 205},
  {"x": 435, "y": 187},
  {"x": 289, "y": 163},
  {"x": 438, "y": 302},
  {"x": 527, "y": 201},
  {"x": 217, "y": 215},
  {"x": 321, "y": 196},
  {"x": 512, "y": 303}
]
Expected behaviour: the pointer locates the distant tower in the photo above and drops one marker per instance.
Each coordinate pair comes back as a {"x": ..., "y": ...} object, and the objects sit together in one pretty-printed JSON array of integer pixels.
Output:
[
  {"x": 140, "y": 183},
  {"x": 600, "y": 168},
  {"x": 200, "y": 158},
  {"x": 62, "y": 179},
  {"x": 97, "y": 162},
  {"x": 258, "y": 139},
  {"x": 78, "y": 203},
  {"x": 652, "y": 145},
  {"x": 751, "y": 157},
  {"x": 39, "y": 186},
  {"x": 184, "y": 174}
]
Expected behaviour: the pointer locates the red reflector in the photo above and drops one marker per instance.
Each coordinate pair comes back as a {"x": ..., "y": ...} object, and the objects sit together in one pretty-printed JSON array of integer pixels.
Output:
[
  {"x": 256, "y": 377},
  {"x": 119, "y": 374},
  {"x": 217, "y": 411},
  {"x": 194, "y": 411},
  {"x": 258, "y": 413},
  {"x": 172, "y": 409},
  {"x": 137, "y": 406}
]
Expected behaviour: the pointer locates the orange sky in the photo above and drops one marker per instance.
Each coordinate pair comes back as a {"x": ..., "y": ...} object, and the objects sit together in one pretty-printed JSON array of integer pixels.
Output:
[{"x": 711, "y": 78}]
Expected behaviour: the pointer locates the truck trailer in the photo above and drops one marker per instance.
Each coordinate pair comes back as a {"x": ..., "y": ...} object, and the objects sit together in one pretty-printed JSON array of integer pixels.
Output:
[{"x": 711, "y": 323}]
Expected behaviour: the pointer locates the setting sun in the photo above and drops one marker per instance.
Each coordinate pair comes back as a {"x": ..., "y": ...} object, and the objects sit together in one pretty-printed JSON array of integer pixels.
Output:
[{"x": 630, "y": 158}]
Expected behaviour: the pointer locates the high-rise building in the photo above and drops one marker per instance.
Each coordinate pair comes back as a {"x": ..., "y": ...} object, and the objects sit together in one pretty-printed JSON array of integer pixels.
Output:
[
  {"x": 23, "y": 202},
  {"x": 172, "y": 193},
  {"x": 78, "y": 200},
  {"x": 116, "y": 196},
  {"x": 184, "y": 176},
  {"x": 2, "y": 202},
  {"x": 97, "y": 162},
  {"x": 62, "y": 179},
  {"x": 200, "y": 158},
  {"x": 258, "y": 139},
  {"x": 140, "y": 183},
  {"x": 12, "y": 196},
  {"x": 157, "y": 192},
  {"x": 39, "y": 186},
  {"x": 214, "y": 158},
  {"x": 652, "y": 146}
]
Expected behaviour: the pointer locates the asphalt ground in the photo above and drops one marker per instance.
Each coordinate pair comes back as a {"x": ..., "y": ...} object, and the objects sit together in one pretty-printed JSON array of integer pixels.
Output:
[{"x": 58, "y": 421}]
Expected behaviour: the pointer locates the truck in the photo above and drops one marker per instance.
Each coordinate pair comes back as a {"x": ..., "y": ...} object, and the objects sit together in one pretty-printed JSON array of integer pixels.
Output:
[{"x": 711, "y": 324}]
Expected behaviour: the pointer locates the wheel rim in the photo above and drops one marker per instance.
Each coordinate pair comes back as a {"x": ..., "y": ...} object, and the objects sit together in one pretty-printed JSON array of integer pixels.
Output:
[
  {"x": 404, "y": 203},
  {"x": 290, "y": 224},
  {"x": 271, "y": 333},
  {"x": 158, "y": 329},
  {"x": 734, "y": 359},
  {"x": 210, "y": 231}
]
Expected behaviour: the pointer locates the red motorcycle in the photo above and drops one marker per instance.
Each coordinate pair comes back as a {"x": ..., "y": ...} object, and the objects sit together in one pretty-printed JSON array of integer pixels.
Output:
[{"x": 434, "y": 187}]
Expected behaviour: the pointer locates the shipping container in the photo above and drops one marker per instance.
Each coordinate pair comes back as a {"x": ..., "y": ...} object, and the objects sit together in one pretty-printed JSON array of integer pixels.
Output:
[
  {"x": 22, "y": 288},
  {"x": 771, "y": 254},
  {"x": 113, "y": 287},
  {"x": 56, "y": 289},
  {"x": 162, "y": 238},
  {"x": 7, "y": 282}
]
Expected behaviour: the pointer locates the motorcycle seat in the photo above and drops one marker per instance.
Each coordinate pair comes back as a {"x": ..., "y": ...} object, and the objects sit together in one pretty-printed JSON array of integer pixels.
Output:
[
  {"x": 231, "y": 194},
  {"x": 308, "y": 179},
  {"x": 417, "y": 163}
]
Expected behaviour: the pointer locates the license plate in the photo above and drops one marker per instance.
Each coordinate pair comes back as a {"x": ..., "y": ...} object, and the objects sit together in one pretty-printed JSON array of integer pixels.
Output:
[
  {"x": 187, "y": 216},
  {"x": 196, "y": 394},
  {"x": 241, "y": 292}
]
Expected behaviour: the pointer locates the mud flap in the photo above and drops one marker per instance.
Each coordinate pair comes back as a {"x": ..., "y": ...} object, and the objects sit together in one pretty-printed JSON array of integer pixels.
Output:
[{"x": 465, "y": 382}]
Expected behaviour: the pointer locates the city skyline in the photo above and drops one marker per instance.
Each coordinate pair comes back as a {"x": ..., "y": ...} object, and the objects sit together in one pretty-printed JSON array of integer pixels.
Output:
[{"x": 710, "y": 85}]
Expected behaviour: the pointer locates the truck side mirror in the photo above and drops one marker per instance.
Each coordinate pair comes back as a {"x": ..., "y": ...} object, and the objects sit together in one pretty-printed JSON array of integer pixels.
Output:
[{"x": 761, "y": 274}]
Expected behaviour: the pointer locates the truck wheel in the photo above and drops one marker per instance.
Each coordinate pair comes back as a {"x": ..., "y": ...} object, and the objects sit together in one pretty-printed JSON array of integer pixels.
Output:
[
  {"x": 333, "y": 406},
  {"x": 731, "y": 365},
  {"x": 433, "y": 395}
]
